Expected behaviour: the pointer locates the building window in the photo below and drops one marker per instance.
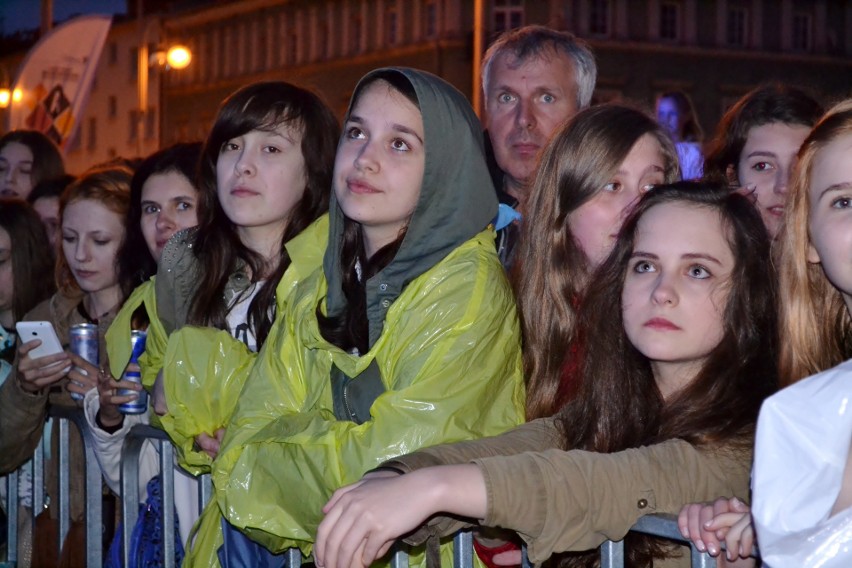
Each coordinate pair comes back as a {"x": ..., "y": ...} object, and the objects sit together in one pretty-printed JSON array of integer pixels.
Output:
[
  {"x": 262, "y": 61},
  {"x": 92, "y": 131},
  {"x": 508, "y": 15},
  {"x": 430, "y": 21},
  {"x": 133, "y": 125},
  {"x": 355, "y": 38},
  {"x": 248, "y": 41},
  {"x": 150, "y": 123},
  {"x": 599, "y": 17},
  {"x": 802, "y": 32},
  {"x": 133, "y": 68},
  {"x": 391, "y": 25},
  {"x": 293, "y": 48},
  {"x": 737, "y": 25},
  {"x": 112, "y": 106},
  {"x": 670, "y": 21},
  {"x": 322, "y": 41}
]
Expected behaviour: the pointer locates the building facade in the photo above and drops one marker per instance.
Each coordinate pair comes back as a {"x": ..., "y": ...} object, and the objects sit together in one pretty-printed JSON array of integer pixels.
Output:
[{"x": 714, "y": 50}]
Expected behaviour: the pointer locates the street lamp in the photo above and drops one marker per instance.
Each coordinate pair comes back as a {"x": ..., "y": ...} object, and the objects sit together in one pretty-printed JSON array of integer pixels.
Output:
[{"x": 175, "y": 57}]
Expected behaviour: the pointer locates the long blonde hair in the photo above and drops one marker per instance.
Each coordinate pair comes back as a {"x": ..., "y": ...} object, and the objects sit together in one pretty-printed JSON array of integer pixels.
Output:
[
  {"x": 814, "y": 316},
  {"x": 550, "y": 272}
]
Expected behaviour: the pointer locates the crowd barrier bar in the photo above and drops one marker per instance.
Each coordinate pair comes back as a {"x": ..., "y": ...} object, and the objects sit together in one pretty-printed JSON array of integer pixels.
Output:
[
  {"x": 94, "y": 484},
  {"x": 612, "y": 553},
  {"x": 130, "y": 454},
  {"x": 93, "y": 505}
]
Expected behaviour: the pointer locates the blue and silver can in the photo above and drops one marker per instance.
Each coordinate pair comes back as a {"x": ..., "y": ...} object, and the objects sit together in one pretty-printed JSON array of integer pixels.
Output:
[
  {"x": 132, "y": 374},
  {"x": 83, "y": 341}
]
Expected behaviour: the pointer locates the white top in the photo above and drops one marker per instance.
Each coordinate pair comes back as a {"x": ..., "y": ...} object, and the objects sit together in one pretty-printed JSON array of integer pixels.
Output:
[{"x": 802, "y": 443}]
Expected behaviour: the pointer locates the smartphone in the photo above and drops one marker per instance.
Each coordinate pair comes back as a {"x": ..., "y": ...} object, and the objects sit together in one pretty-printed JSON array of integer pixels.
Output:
[{"x": 43, "y": 330}]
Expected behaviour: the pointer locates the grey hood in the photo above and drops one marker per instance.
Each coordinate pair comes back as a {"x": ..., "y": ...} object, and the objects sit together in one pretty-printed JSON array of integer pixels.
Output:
[{"x": 457, "y": 199}]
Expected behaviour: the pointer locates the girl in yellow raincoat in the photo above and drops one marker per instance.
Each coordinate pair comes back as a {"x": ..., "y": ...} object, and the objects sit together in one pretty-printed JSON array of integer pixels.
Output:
[{"x": 406, "y": 337}]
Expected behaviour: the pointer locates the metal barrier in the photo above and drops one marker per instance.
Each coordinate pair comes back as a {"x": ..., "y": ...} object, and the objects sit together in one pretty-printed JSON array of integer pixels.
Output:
[
  {"x": 661, "y": 525},
  {"x": 94, "y": 516},
  {"x": 130, "y": 454}
]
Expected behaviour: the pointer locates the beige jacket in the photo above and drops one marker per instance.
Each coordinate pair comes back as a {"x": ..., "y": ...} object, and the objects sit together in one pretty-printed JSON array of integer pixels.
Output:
[
  {"x": 23, "y": 414},
  {"x": 560, "y": 500}
]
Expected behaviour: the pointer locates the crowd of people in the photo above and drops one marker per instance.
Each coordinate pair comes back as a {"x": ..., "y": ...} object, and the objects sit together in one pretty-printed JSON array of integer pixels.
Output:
[{"x": 543, "y": 326}]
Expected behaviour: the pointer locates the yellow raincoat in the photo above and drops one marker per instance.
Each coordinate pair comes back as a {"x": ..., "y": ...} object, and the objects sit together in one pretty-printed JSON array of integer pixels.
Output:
[
  {"x": 451, "y": 362},
  {"x": 444, "y": 340},
  {"x": 204, "y": 369}
]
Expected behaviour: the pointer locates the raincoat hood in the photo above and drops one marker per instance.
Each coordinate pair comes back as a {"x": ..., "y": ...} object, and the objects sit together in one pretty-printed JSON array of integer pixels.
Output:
[{"x": 457, "y": 198}]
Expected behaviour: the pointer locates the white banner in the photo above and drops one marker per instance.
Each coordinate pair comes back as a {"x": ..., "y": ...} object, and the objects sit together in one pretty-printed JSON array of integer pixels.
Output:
[{"x": 56, "y": 76}]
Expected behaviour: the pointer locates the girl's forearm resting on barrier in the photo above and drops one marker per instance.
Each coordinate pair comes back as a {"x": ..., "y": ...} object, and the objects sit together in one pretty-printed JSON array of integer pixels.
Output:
[{"x": 364, "y": 519}]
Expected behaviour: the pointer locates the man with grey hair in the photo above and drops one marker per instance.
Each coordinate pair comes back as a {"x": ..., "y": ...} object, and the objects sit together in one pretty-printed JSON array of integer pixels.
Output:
[{"x": 533, "y": 79}]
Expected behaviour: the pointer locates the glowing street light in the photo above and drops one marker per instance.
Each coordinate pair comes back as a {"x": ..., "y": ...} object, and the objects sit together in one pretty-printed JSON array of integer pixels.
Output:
[
  {"x": 178, "y": 57},
  {"x": 5, "y": 98}
]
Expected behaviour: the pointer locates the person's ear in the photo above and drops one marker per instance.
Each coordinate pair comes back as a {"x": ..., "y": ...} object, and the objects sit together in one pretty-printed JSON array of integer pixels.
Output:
[
  {"x": 731, "y": 174},
  {"x": 813, "y": 255}
]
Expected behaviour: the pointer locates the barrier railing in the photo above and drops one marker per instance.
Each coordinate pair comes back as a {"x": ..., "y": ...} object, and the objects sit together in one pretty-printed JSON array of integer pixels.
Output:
[
  {"x": 130, "y": 455},
  {"x": 35, "y": 468},
  {"x": 612, "y": 553}
]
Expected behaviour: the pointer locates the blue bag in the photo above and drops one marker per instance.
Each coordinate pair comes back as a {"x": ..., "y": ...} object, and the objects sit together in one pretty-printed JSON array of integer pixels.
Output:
[{"x": 146, "y": 540}]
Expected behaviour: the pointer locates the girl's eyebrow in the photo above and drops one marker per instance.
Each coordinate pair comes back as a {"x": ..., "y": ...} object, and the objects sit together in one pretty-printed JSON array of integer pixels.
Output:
[
  {"x": 841, "y": 186},
  {"x": 766, "y": 153},
  {"x": 701, "y": 256},
  {"x": 686, "y": 255},
  {"x": 396, "y": 127}
]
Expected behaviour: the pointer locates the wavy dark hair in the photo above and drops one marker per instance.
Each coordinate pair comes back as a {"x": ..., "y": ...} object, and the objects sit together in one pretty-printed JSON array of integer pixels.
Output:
[
  {"x": 772, "y": 102},
  {"x": 551, "y": 271},
  {"x": 619, "y": 405},
  {"x": 32, "y": 261},
  {"x": 260, "y": 106},
  {"x": 350, "y": 328},
  {"x": 137, "y": 267},
  {"x": 47, "y": 160}
]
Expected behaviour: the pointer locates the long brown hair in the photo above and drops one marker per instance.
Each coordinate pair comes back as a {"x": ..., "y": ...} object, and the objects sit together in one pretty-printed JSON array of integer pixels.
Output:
[
  {"x": 815, "y": 320},
  {"x": 260, "y": 106},
  {"x": 31, "y": 258},
  {"x": 619, "y": 405},
  {"x": 551, "y": 269}
]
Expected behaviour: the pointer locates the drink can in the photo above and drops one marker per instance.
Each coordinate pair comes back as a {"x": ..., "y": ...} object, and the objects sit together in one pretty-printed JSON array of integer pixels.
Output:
[
  {"x": 140, "y": 405},
  {"x": 83, "y": 341}
]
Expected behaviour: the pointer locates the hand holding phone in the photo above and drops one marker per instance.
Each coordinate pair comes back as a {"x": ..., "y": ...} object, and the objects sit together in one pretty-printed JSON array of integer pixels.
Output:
[
  {"x": 44, "y": 332},
  {"x": 40, "y": 364}
]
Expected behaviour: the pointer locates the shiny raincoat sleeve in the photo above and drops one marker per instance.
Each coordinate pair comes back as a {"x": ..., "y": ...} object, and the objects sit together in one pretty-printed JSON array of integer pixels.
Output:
[
  {"x": 118, "y": 334},
  {"x": 204, "y": 369},
  {"x": 450, "y": 359}
]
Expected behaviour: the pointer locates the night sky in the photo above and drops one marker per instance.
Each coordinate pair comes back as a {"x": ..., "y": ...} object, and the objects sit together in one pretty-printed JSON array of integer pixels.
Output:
[{"x": 26, "y": 14}]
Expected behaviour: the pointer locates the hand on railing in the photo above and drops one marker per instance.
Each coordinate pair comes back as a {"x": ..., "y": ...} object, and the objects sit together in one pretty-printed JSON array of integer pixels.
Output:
[
  {"x": 724, "y": 520},
  {"x": 36, "y": 374}
]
